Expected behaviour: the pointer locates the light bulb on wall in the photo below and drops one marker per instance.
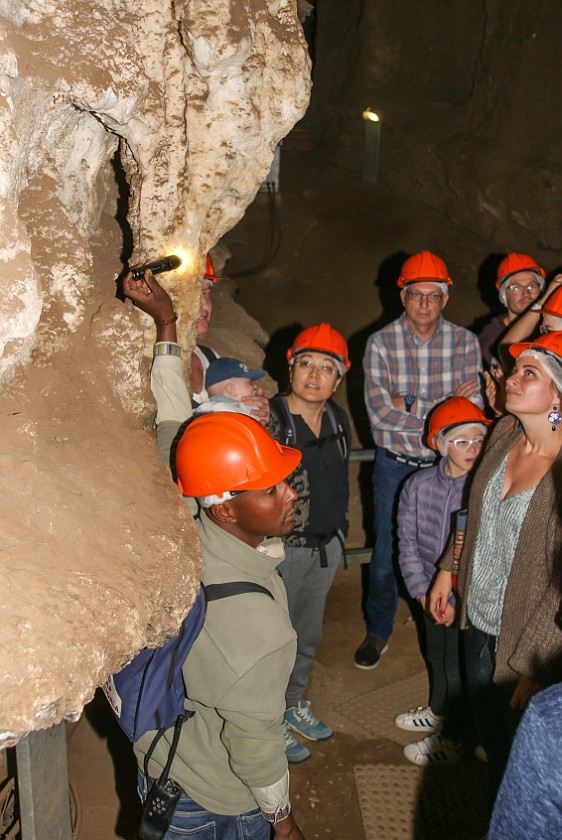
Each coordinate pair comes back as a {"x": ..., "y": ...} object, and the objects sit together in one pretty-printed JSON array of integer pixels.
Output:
[
  {"x": 372, "y": 116},
  {"x": 371, "y": 150}
]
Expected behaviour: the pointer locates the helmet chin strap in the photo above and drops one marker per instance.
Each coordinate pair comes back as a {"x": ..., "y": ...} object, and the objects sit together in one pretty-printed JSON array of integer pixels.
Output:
[{"x": 209, "y": 501}]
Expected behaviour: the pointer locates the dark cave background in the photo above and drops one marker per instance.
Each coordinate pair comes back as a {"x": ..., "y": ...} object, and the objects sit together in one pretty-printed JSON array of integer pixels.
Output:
[{"x": 470, "y": 167}]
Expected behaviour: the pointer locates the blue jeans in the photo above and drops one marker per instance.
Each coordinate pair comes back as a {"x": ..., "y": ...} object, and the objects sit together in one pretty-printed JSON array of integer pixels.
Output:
[
  {"x": 382, "y": 598},
  {"x": 191, "y": 820}
]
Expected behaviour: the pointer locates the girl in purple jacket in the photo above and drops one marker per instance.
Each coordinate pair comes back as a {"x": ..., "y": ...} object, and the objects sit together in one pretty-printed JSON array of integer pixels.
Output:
[{"x": 427, "y": 510}]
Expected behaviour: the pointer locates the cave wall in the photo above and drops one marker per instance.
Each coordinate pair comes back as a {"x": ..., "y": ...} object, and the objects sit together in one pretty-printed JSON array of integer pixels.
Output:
[
  {"x": 468, "y": 94},
  {"x": 99, "y": 556}
]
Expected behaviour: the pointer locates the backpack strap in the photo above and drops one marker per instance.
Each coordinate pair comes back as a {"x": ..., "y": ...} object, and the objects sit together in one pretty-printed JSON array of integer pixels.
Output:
[
  {"x": 217, "y": 591},
  {"x": 175, "y": 740},
  {"x": 209, "y": 354},
  {"x": 281, "y": 410},
  {"x": 289, "y": 432},
  {"x": 338, "y": 429}
]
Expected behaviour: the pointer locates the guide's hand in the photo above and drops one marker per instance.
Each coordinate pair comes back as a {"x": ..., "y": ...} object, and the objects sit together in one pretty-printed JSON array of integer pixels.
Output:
[{"x": 147, "y": 294}]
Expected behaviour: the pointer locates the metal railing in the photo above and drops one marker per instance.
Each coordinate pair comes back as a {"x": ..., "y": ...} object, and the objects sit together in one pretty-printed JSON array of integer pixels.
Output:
[{"x": 359, "y": 556}]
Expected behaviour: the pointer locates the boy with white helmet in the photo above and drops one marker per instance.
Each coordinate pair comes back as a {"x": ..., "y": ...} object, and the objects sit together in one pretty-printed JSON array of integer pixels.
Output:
[{"x": 427, "y": 506}]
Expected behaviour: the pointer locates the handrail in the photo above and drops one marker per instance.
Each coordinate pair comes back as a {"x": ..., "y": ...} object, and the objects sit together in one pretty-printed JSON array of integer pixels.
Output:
[
  {"x": 359, "y": 556},
  {"x": 362, "y": 455}
]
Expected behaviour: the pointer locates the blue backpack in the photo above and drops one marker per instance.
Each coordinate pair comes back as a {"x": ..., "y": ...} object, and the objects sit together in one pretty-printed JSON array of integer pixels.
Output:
[{"x": 149, "y": 693}]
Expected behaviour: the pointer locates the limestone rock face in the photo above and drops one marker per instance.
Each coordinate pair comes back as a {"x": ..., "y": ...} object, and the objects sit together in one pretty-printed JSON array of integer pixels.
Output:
[{"x": 188, "y": 99}]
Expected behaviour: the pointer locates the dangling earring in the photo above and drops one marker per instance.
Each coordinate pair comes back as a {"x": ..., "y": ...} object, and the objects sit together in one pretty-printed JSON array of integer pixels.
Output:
[{"x": 554, "y": 417}]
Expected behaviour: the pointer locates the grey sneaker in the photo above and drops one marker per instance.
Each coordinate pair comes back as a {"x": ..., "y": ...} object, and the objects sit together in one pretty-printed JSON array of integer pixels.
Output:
[{"x": 369, "y": 652}]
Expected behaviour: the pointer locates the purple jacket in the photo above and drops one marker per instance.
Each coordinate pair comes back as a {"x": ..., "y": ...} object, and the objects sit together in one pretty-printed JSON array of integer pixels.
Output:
[{"x": 426, "y": 506}]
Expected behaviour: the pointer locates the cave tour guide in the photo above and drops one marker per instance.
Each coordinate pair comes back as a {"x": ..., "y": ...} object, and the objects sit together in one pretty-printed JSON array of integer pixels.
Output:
[{"x": 230, "y": 761}]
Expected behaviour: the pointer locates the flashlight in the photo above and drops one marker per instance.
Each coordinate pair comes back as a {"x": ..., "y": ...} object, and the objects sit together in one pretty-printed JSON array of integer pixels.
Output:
[{"x": 157, "y": 267}]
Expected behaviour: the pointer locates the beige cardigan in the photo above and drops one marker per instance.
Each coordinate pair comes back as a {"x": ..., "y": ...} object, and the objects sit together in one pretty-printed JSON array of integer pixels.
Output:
[{"x": 530, "y": 638}]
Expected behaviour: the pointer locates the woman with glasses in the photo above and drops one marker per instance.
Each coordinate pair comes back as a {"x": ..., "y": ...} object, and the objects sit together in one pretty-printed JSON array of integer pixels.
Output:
[
  {"x": 510, "y": 575},
  {"x": 307, "y": 416}
]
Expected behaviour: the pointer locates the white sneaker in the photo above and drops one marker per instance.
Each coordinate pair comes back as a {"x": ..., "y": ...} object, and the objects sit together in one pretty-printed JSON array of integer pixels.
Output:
[
  {"x": 433, "y": 750},
  {"x": 421, "y": 719}
]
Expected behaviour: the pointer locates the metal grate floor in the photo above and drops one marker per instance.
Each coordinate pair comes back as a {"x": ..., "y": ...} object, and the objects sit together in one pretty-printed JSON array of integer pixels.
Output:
[
  {"x": 375, "y": 710},
  {"x": 417, "y": 803}
]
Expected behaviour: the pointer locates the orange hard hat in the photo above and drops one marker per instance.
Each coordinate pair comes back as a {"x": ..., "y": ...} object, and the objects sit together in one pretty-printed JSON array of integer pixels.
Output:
[
  {"x": 226, "y": 451},
  {"x": 513, "y": 264},
  {"x": 553, "y": 306},
  {"x": 424, "y": 266},
  {"x": 210, "y": 271},
  {"x": 549, "y": 343},
  {"x": 455, "y": 411},
  {"x": 321, "y": 338}
]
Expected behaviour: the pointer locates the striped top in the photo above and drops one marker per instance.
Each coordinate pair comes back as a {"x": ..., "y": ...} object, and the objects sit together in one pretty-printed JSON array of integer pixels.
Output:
[
  {"x": 397, "y": 361},
  {"x": 495, "y": 548}
]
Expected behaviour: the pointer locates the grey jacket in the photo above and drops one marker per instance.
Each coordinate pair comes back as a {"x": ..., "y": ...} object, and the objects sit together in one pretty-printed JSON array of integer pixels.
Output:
[{"x": 426, "y": 508}]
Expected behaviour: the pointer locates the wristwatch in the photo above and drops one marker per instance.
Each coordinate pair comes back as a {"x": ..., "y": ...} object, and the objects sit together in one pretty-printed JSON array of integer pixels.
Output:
[{"x": 409, "y": 400}]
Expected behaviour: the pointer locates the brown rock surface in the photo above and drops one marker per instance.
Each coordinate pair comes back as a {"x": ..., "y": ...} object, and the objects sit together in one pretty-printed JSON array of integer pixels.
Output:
[{"x": 189, "y": 99}]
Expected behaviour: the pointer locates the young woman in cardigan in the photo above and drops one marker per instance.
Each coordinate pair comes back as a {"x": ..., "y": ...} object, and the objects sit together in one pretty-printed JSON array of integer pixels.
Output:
[{"x": 510, "y": 576}]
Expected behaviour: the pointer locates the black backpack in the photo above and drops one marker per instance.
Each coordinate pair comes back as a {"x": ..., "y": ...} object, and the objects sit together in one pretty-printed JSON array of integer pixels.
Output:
[{"x": 280, "y": 408}]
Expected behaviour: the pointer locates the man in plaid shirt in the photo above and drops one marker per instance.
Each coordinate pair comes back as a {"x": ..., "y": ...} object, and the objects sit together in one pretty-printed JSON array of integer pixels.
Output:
[{"x": 415, "y": 362}]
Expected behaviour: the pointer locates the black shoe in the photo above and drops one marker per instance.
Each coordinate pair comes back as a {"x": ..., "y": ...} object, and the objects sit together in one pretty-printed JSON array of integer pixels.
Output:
[{"x": 369, "y": 652}]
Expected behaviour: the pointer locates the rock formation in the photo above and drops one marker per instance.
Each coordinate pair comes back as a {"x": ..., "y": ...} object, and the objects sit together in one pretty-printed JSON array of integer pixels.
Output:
[{"x": 189, "y": 99}]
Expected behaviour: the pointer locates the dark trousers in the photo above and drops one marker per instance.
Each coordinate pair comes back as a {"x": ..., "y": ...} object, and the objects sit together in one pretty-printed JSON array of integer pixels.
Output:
[
  {"x": 496, "y": 721},
  {"x": 447, "y": 696},
  {"x": 382, "y": 598}
]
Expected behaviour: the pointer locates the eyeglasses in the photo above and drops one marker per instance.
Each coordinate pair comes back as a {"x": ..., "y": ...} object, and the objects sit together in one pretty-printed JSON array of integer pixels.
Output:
[
  {"x": 517, "y": 289},
  {"x": 433, "y": 297},
  {"x": 324, "y": 368},
  {"x": 463, "y": 445}
]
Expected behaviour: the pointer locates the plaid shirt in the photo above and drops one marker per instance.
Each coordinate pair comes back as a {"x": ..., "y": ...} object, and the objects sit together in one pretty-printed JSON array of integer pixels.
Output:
[{"x": 397, "y": 361}]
